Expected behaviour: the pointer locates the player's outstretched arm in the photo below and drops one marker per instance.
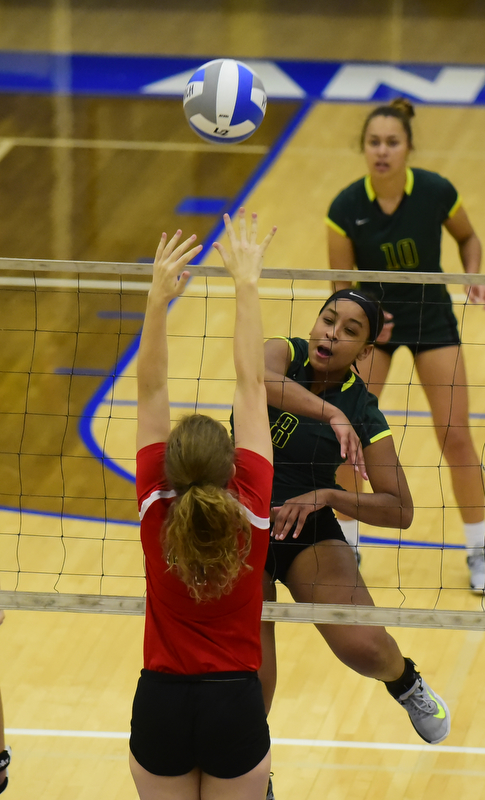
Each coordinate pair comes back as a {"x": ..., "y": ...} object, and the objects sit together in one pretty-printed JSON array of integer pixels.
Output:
[
  {"x": 169, "y": 280},
  {"x": 389, "y": 505},
  {"x": 243, "y": 259}
]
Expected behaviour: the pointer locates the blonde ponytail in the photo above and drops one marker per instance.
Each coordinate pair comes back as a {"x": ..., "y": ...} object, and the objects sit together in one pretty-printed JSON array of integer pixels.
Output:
[{"x": 207, "y": 536}]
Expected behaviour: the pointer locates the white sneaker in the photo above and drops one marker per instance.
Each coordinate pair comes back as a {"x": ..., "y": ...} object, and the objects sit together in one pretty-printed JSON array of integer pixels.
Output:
[
  {"x": 427, "y": 711},
  {"x": 476, "y": 565}
]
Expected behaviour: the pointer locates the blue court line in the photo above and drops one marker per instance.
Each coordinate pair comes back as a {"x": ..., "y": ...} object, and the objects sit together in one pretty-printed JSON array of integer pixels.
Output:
[
  {"x": 228, "y": 406},
  {"x": 77, "y": 517},
  {"x": 378, "y": 540},
  {"x": 88, "y": 413},
  {"x": 202, "y": 205},
  {"x": 409, "y": 543}
]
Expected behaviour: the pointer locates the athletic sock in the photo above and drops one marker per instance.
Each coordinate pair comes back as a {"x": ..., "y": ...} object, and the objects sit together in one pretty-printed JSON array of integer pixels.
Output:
[
  {"x": 350, "y": 529},
  {"x": 405, "y": 682},
  {"x": 474, "y": 537}
]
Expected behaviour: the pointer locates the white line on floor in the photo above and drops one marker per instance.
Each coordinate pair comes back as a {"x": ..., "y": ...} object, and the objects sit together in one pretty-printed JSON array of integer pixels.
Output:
[{"x": 284, "y": 742}]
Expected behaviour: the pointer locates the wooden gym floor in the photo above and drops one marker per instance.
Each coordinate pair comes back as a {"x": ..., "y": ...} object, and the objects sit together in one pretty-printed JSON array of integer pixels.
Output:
[{"x": 67, "y": 680}]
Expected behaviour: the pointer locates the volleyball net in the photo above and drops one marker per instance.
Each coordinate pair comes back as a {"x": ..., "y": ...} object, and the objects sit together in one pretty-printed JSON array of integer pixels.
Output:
[{"x": 69, "y": 533}]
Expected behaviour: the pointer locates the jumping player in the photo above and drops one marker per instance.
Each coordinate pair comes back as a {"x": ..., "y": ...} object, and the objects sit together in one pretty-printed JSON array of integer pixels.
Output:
[{"x": 308, "y": 551}]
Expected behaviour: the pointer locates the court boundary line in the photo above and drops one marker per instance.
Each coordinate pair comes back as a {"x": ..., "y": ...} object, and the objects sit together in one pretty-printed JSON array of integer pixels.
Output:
[{"x": 276, "y": 741}]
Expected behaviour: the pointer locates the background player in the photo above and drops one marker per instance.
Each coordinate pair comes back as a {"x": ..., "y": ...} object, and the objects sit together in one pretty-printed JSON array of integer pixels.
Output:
[
  {"x": 199, "y": 727},
  {"x": 392, "y": 220},
  {"x": 308, "y": 551}
]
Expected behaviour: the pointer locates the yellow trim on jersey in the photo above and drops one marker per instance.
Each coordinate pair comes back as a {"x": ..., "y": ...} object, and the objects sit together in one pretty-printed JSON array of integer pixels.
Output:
[
  {"x": 369, "y": 188},
  {"x": 408, "y": 186},
  {"x": 290, "y": 345},
  {"x": 455, "y": 207},
  {"x": 348, "y": 383},
  {"x": 380, "y": 436},
  {"x": 335, "y": 227}
]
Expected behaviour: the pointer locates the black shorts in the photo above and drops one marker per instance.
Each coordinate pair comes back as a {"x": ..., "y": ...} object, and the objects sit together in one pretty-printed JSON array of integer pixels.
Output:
[
  {"x": 439, "y": 331},
  {"x": 319, "y": 526},
  {"x": 415, "y": 348},
  {"x": 216, "y": 722}
]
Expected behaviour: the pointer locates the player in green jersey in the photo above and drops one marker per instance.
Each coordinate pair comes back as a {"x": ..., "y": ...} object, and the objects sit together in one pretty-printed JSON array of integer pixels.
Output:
[
  {"x": 392, "y": 220},
  {"x": 308, "y": 552}
]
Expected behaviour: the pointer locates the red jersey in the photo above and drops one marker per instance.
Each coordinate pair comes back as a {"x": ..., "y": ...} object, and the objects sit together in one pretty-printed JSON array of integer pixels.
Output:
[{"x": 218, "y": 635}]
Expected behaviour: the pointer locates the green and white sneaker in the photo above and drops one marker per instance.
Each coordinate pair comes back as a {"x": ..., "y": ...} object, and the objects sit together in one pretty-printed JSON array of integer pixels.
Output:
[{"x": 427, "y": 711}]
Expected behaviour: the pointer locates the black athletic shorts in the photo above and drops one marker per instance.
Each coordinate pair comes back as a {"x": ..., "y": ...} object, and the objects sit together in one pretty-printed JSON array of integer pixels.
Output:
[
  {"x": 442, "y": 333},
  {"x": 215, "y": 721},
  {"x": 319, "y": 525}
]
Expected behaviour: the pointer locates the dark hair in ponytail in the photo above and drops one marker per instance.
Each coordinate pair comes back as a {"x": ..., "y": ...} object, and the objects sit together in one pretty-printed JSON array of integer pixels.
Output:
[{"x": 400, "y": 108}]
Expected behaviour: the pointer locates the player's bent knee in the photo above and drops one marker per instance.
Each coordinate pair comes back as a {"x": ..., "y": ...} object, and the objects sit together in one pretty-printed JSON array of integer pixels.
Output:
[{"x": 367, "y": 652}]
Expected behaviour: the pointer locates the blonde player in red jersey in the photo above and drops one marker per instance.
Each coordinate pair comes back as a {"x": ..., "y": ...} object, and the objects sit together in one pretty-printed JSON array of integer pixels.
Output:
[{"x": 199, "y": 726}]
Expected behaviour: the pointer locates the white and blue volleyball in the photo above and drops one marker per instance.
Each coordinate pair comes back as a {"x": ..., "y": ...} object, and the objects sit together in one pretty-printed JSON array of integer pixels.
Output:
[{"x": 224, "y": 101}]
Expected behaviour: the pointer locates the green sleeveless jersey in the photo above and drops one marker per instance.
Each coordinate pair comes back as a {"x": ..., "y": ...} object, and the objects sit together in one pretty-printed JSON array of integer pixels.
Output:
[
  {"x": 306, "y": 452},
  {"x": 409, "y": 239}
]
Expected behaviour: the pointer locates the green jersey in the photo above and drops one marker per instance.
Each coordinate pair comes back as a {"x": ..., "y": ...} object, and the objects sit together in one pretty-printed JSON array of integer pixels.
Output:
[
  {"x": 306, "y": 452},
  {"x": 409, "y": 239}
]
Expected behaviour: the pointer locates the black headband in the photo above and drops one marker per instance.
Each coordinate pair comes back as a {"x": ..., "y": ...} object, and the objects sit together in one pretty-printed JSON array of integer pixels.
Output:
[{"x": 369, "y": 305}]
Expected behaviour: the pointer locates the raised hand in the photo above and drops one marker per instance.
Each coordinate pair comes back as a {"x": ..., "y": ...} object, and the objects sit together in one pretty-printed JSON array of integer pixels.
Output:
[
  {"x": 244, "y": 259},
  {"x": 170, "y": 260}
]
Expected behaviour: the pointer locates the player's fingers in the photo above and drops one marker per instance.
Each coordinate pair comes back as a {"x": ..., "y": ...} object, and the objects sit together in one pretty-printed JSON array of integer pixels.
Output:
[
  {"x": 253, "y": 229},
  {"x": 285, "y": 521},
  {"x": 242, "y": 225},
  {"x": 300, "y": 523},
  {"x": 350, "y": 445},
  {"x": 180, "y": 252},
  {"x": 185, "y": 258},
  {"x": 267, "y": 239},
  {"x": 222, "y": 251},
  {"x": 361, "y": 469},
  {"x": 231, "y": 233},
  {"x": 161, "y": 247},
  {"x": 172, "y": 243},
  {"x": 182, "y": 282}
]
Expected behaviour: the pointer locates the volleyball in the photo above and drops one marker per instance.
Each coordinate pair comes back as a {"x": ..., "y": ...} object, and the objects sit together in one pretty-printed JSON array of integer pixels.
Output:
[{"x": 224, "y": 101}]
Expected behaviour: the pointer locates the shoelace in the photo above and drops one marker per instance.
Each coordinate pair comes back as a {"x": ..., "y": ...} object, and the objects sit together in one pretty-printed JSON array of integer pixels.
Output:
[{"x": 422, "y": 700}]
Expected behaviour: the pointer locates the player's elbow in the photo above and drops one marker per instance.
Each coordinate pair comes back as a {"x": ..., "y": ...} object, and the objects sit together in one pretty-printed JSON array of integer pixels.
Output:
[{"x": 407, "y": 514}]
